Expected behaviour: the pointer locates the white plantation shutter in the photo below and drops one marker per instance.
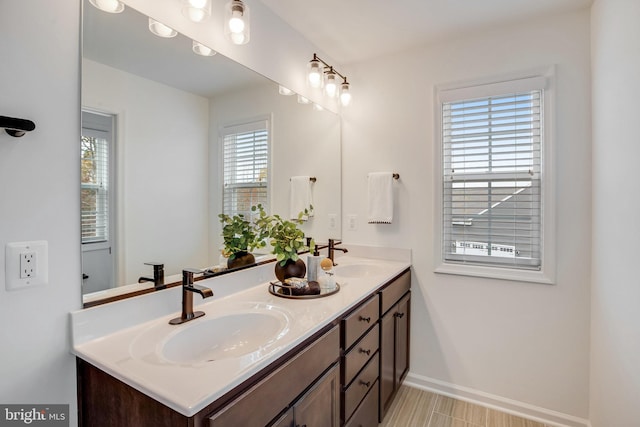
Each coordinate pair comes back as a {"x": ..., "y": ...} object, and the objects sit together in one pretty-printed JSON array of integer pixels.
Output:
[
  {"x": 492, "y": 188},
  {"x": 245, "y": 167}
]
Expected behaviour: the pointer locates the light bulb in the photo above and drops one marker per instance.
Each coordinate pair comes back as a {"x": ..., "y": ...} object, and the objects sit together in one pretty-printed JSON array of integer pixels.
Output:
[
  {"x": 315, "y": 73},
  {"x": 196, "y": 10},
  {"x": 345, "y": 95},
  {"x": 237, "y": 22},
  {"x": 111, "y": 6},
  {"x": 330, "y": 85},
  {"x": 161, "y": 30},
  {"x": 202, "y": 50}
]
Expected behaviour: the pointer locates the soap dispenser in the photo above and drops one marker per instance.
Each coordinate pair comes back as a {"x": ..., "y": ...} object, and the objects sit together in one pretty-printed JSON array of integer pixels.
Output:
[{"x": 313, "y": 262}]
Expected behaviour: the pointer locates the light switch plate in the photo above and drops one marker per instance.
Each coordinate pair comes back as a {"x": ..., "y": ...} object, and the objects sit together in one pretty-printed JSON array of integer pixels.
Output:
[{"x": 26, "y": 264}]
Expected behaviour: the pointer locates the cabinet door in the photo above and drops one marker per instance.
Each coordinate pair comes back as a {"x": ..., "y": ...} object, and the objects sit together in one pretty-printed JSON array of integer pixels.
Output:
[
  {"x": 320, "y": 406},
  {"x": 394, "y": 351},
  {"x": 402, "y": 316},
  {"x": 387, "y": 361}
]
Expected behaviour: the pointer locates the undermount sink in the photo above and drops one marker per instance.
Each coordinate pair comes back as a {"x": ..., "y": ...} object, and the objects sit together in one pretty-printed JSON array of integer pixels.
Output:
[
  {"x": 229, "y": 336},
  {"x": 358, "y": 270}
]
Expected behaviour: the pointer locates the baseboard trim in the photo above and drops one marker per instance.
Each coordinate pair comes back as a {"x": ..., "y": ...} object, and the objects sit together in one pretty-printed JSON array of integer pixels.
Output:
[{"x": 514, "y": 407}]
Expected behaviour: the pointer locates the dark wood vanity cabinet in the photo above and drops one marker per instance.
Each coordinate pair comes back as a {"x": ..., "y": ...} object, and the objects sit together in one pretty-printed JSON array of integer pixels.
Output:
[
  {"x": 395, "y": 304},
  {"x": 347, "y": 374},
  {"x": 320, "y": 406}
]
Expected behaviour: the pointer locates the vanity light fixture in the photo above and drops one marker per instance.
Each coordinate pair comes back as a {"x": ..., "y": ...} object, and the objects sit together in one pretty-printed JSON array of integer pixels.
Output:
[
  {"x": 201, "y": 49},
  {"x": 285, "y": 91},
  {"x": 236, "y": 23},
  {"x": 303, "y": 100},
  {"x": 196, "y": 10},
  {"x": 111, "y": 6},
  {"x": 321, "y": 74},
  {"x": 318, "y": 107},
  {"x": 161, "y": 30}
]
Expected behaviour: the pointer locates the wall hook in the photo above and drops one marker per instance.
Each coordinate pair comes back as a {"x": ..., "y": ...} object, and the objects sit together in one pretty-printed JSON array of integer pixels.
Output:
[{"x": 16, "y": 127}]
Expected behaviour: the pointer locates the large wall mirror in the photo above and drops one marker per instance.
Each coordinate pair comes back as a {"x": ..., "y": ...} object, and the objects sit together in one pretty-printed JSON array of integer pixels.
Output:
[{"x": 154, "y": 114}]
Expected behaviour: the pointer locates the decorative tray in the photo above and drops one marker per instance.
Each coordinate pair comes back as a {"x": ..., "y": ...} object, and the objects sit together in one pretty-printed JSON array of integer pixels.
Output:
[{"x": 281, "y": 290}]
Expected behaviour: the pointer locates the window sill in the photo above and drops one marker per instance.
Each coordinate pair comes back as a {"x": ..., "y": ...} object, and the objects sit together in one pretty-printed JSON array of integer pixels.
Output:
[{"x": 495, "y": 273}]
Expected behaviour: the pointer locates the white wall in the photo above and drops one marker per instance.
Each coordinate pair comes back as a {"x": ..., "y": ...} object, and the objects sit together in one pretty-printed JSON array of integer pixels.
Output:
[
  {"x": 162, "y": 169},
  {"x": 521, "y": 341},
  {"x": 39, "y": 197},
  {"x": 303, "y": 142},
  {"x": 615, "y": 295}
]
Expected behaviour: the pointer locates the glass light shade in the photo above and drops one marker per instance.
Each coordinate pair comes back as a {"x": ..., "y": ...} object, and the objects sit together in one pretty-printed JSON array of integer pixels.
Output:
[
  {"x": 111, "y": 6},
  {"x": 314, "y": 76},
  {"x": 196, "y": 10},
  {"x": 303, "y": 100},
  {"x": 202, "y": 50},
  {"x": 318, "y": 107},
  {"x": 345, "y": 95},
  {"x": 284, "y": 91},
  {"x": 331, "y": 84},
  {"x": 236, "y": 23},
  {"x": 161, "y": 30}
]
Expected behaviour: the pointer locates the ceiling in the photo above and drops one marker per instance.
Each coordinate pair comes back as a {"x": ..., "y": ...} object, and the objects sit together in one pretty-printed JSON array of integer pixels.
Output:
[
  {"x": 356, "y": 30},
  {"x": 123, "y": 41}
]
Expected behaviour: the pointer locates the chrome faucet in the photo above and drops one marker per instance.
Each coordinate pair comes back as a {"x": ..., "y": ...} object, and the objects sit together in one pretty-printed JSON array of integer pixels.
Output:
[
  {"x": 188, "y": 289},
  {"x": 158, "y": 276},
  {"x": 332, "y": 248}
]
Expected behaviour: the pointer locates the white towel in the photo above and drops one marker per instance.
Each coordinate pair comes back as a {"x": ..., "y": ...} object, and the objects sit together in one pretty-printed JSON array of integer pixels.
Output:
[
  {"x": 300, "y": 197},
  {"x": 380, "y": 198}
]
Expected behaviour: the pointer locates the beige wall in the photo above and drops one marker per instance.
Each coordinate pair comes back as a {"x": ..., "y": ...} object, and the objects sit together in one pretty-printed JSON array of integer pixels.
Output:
[
  {"x": 39, "y": 196},
  {"x": 615, "y": 295},
  {"x": 487, "y": 339}
]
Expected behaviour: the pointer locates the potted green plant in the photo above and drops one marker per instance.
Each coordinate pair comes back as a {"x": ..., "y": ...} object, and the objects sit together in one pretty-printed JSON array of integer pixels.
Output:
[
  {"x": 286, "y": 240},
  {"x": 240, "y": 238}
]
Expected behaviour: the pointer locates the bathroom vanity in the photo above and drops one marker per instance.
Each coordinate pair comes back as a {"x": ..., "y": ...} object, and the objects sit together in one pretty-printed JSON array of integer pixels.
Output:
[{"x": 331, "y": 361}]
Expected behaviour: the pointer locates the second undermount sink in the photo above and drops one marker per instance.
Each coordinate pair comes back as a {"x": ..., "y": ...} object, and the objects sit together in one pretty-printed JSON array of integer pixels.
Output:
[
  {"x": 224, "y": 337},
  {"x": 358, "y": 270}
]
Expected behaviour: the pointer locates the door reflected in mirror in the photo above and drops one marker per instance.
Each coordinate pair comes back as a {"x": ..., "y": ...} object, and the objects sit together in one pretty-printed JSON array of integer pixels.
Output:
[{"x": 169, "y": 109}]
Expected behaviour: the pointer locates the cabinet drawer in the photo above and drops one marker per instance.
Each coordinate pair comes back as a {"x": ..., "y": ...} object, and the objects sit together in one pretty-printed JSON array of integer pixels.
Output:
[
  {"x": 361, "y": 352},
  {"x": 262, "y": 402},
  {"x": 360, "y": 386},
  {"x": 367, "y": 413},
  {"x": 394, "y": 291},
  {"x": 363, "y": 318}
]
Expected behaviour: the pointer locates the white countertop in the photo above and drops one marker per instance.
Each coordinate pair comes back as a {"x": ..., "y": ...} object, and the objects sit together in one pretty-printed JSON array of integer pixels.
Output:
[{"x": 127, "y": 350}]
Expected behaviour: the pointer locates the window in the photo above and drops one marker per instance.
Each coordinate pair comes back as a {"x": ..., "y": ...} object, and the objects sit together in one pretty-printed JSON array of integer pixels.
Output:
[
  {"x": 493, "y": 140},
  {"x": 245, "y": 167},
  {"x": 95, "y": 187}
]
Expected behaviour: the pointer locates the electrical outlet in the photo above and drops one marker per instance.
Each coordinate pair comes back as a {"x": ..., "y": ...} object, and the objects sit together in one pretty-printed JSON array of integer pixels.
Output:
[
  {"x": 26, "y": 264},
  {"x": 352, "y": 222},
  {"x": 333, "y": 220}
]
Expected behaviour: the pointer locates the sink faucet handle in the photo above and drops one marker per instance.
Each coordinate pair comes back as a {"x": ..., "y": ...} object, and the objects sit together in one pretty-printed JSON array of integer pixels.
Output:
[{"x": 192, "y": 270}]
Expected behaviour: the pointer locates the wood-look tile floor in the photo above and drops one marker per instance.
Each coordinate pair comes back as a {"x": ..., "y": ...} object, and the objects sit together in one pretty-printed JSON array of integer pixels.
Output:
[{"x": 419, "y": 408}]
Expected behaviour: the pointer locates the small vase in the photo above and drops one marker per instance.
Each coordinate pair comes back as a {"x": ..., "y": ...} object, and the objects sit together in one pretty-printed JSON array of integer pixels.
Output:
[
  {"x": 240, "y": 260},
  {"x": 290, "y": 269}
]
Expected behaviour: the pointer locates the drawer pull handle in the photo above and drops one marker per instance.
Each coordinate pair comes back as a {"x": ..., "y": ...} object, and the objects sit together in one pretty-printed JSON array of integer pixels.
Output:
[
  {"x": 399, "y": 315},
  {"x": 365, "y": 319},
  {"x": 362, "y": 350},
  {"x": 365, "y": 383}
]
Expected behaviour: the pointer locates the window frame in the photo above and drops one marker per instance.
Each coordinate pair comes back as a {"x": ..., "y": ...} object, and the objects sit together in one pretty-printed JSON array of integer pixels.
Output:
[
  {"x": 227, "y": 129},
  {"x": 102, "y": 126},
  {"x": 486, "y": 87}
]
